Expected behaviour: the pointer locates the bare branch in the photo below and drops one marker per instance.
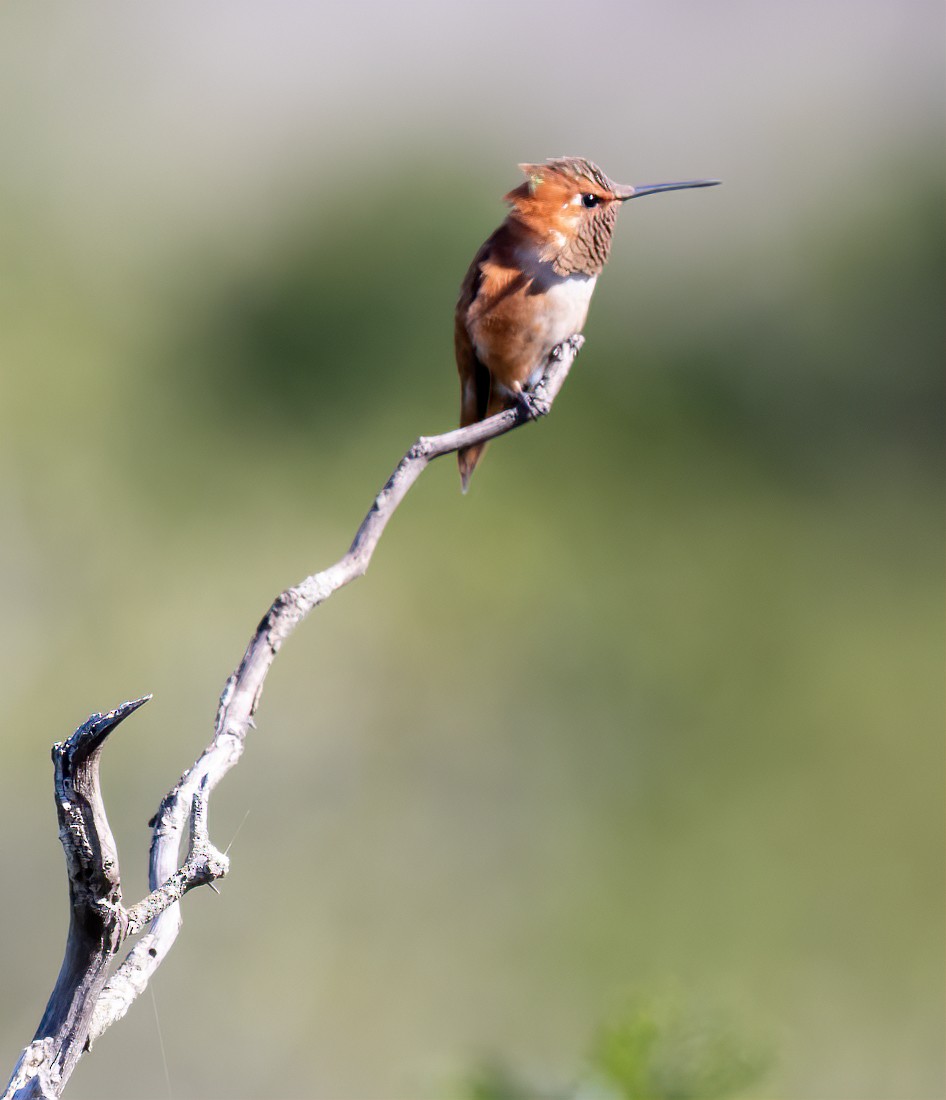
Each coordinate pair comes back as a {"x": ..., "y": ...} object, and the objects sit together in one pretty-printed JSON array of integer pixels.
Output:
[
  {"x": 241, "y": 694},
  {"x": 91, "y": 858}
]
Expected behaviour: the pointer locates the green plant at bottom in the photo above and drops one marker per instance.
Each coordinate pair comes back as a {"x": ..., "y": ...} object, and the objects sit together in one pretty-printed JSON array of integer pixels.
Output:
[{"x": 650, "y": 1051}]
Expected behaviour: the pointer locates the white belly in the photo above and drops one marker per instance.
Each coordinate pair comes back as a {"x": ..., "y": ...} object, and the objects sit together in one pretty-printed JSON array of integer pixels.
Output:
[{"x": 567, "y": 299}]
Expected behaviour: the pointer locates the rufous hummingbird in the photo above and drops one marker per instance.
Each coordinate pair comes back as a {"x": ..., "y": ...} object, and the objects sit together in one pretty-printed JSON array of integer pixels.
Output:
[{"x": 529, "y": 286}]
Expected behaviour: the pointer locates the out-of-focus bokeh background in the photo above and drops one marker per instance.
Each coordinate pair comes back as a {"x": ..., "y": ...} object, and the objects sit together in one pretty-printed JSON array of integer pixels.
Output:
[{"x": 657, "y": 707}]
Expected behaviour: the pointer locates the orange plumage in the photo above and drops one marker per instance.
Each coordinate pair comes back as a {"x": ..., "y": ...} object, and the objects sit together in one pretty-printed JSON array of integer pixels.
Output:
[{"x": 530, "y": 285}]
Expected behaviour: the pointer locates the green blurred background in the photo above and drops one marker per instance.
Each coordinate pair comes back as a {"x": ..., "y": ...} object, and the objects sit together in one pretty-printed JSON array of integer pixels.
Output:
[{"x": 656, "y": 707}]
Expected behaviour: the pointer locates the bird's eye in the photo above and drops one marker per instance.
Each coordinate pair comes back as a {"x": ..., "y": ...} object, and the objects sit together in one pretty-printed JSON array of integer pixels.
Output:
[{"x": 589, "y": 201}]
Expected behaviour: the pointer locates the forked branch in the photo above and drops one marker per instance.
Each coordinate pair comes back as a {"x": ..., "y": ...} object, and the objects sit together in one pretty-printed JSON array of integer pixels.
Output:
[
  {"x": 98, "y": 922},
  {"x": 85, "y": 1000}
]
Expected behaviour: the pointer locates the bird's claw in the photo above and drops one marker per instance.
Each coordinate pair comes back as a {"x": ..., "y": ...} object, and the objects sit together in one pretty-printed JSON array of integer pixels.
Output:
[
  {"x": 526, "y": 404},
  {"x": 531, "y": 403}
]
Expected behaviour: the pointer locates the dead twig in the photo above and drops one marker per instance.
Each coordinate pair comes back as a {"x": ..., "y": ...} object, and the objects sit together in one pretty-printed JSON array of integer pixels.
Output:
[{"x": 86, "y": 1000}]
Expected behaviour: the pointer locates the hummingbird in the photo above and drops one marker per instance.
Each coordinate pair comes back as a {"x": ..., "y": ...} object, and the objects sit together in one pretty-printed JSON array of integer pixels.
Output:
[{"x": 530, "y": 284}]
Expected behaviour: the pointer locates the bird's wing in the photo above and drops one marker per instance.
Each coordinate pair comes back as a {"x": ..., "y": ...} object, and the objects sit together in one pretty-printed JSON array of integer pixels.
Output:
[{"x": 475, "y": 382}]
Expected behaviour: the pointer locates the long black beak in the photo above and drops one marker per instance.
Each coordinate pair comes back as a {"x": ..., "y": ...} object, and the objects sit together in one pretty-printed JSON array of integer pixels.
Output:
[{"x": 624, "y": 193}]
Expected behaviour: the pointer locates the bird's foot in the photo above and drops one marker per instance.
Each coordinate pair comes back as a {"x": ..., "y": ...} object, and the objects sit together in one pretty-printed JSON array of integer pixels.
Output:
[{"x": 532, "y": 403}]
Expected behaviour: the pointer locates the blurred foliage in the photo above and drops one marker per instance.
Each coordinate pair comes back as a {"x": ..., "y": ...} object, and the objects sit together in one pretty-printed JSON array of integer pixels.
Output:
[
  {"x": 327, "y": 323},
  {"x": 661, "y": 1050},
  {"x": 495, "y": 1081},
  {"x": 664, "y": 1052},
  {"x": 848, "y": 354}
]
